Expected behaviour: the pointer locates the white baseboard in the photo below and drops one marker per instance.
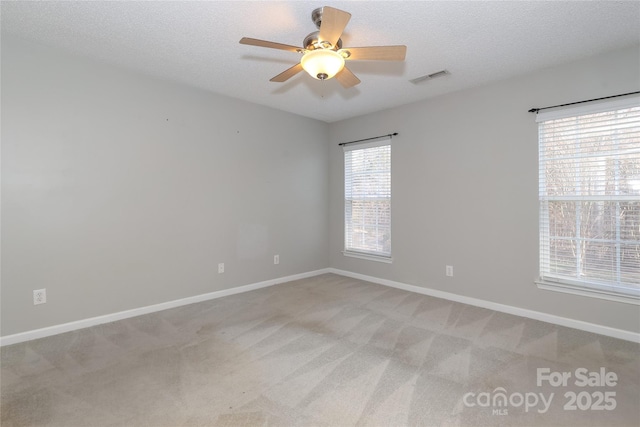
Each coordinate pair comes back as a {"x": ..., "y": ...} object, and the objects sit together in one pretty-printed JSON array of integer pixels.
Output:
[
  {"x": 85, "y": 323},
  {"x": 531, "y": 314},
  {"x": 545, "y": 317}
]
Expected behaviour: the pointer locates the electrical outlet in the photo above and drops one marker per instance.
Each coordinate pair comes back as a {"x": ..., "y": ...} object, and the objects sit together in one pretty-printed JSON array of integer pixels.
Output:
[
  {"x": 221, "y": 267},
  {"x": 449, "y": 270},
  {"x": 276, "y": 259},
  {"x": 39, "y": 296}
]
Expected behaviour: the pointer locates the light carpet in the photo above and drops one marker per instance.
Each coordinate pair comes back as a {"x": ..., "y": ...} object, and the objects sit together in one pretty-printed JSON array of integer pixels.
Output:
[{"x": 323, "y": 351}]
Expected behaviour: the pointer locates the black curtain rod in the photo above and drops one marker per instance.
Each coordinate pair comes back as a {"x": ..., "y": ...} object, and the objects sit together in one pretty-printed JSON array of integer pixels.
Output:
[
  {"x": 535, "y": 110},
  {"x": 369, "y": 139}
]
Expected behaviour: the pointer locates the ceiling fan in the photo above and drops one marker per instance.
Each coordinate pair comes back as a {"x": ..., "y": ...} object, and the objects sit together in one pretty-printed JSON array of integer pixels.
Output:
[{"x": 323, "y": 56}]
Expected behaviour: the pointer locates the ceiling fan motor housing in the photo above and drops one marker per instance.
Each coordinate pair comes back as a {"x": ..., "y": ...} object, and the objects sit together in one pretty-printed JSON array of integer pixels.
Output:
[{"x": 313, "y": 42}]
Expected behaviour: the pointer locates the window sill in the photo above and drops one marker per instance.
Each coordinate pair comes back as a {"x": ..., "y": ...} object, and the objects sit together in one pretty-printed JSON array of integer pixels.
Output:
[
  {"x": 587, "y": 292},
  {"x": 370, "y": 257}
]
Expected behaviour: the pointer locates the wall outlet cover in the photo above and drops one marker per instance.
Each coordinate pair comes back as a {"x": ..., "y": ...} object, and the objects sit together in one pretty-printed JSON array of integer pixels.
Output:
[{"x": 39, "y": 296}]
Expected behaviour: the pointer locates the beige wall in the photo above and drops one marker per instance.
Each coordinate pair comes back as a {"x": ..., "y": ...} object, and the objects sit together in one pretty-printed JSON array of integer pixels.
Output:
[
  {"x": 465, "y": 188},
  {"x": 120, "y": 191}
]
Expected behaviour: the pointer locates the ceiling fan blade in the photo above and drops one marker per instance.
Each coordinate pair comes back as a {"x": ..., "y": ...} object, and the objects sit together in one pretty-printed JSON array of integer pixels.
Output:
[
  {"x": 287, "y": 74},
  {"x": 272, "y": 45},
  {"x": 346, "y": 78},
  {"x": 377, "y": 53},
  {"x": 333, "y": 23}
]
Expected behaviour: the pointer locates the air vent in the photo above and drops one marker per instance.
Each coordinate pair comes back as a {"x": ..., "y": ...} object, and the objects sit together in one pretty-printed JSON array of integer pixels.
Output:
[{"x": 430, "y": 76}]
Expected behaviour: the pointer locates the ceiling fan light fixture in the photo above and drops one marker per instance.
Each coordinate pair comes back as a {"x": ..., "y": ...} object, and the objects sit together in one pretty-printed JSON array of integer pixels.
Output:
[
  {"x": 322, "y": 64},
  {"x": 322, "y": 54}
]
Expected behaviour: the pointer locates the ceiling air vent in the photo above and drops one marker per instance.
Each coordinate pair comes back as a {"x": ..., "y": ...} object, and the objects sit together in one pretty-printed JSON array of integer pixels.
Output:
[{"x": 430, "y": 76}]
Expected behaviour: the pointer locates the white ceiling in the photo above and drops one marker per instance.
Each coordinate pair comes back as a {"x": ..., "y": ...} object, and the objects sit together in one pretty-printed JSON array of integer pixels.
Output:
[{"x": 196, "y": 43}]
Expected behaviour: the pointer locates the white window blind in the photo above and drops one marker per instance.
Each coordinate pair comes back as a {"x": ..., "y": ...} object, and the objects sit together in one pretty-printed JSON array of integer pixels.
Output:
[
  {"x": 367, "y": 175},
  {"x": 589, "y": 172}
]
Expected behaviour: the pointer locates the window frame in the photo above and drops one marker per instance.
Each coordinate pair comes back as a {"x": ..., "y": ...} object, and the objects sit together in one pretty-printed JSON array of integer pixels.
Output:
[
  {"x": 548, "y": 280},
  {"x": 351, "y": 251}
]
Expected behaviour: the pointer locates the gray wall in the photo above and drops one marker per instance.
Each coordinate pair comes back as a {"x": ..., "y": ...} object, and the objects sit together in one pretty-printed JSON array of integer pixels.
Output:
[
  {"x": 120, "y": 191},
  {"x": 465, "y": 187}
]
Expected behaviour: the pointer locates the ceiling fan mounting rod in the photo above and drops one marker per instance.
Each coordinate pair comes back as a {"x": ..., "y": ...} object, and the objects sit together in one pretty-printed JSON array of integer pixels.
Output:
[
  {"x": 312, "y": 41},
  {"x": 316, "y": 17}
]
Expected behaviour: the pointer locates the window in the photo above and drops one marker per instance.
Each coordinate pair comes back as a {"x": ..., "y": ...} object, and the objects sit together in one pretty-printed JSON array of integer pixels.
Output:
[
  {"x": 367, "y": 203},
  {"x": 589, "y": 196}
]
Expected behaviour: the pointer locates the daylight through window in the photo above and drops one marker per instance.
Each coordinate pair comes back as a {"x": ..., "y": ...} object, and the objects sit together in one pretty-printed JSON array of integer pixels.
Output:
[
  {"x": 367, "y": 171},
  {"x": 590, "y": 198}
]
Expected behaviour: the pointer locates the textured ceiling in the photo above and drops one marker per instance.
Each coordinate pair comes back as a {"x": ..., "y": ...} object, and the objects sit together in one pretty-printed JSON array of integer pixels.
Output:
[{"x": 196, "y": 43}]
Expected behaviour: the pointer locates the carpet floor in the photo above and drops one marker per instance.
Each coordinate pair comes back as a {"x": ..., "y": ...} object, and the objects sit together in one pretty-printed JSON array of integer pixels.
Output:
[{"x": 323, "y": 351}]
